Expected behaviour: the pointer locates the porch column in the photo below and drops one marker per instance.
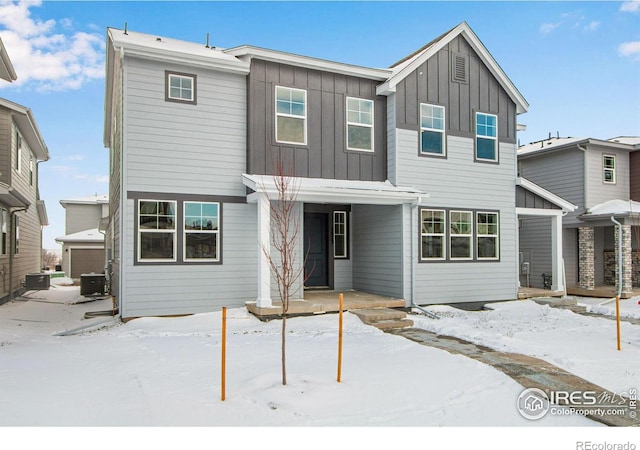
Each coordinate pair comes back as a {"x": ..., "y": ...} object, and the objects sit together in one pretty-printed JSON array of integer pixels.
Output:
[
  {"x": 264, "y": 249},
  {"x": 586, "y": 262},
  {"x": 627, "y": 261},
  {"x": 557, "y": 281}
]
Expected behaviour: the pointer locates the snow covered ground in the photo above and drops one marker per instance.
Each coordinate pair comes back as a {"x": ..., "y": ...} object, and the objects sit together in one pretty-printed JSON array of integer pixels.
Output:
[{"x": 165, "y": 372}]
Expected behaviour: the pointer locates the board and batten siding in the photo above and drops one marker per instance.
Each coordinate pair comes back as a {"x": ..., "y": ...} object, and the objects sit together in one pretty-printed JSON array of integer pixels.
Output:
[
  {"x": 377, "y": 249},
  {"x": 634, "y": 176},
  {"x": 458, "y": 182},
  {"x": 325, "y": 154},
  {"x": 186, "y": 148},
  {"x": 186, "y": 289},
  {"x": 561, "y": 173},
  {"x": 432, "y": 83},
  {"x": 597, "y": 190},
  {"x": 535, "y": 246}
]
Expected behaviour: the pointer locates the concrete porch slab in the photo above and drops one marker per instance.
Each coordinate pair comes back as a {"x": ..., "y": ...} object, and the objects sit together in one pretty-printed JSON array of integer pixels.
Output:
[
  {"x": 527, "y": 292},
  {"x": 601, "y": 291},
  {"x": 323, "y": 301}
]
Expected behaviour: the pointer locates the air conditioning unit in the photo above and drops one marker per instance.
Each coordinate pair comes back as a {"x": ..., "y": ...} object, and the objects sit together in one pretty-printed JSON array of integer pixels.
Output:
[
  {"x": 91, "y": 283},
  {"x": 37, "y": 281}
]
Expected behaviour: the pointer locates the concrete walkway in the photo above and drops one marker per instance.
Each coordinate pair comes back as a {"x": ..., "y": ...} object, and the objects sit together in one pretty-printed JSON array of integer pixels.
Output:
[{"x": 528, "y": 371}]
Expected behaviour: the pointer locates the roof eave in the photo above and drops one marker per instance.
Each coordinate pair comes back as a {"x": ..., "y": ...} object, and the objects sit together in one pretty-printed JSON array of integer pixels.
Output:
[
  {"x": 7, "y": 72},
  {"x": 23, "y": 116},
  {"x": 547, "y": 195}
]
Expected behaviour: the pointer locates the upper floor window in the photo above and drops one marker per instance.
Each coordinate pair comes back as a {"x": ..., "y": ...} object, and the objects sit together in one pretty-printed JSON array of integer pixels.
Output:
[
  {"x": 486, "y": 137},
  {"x": 31, "y": 171},
  {"x": 180, "y": 87},
  {"x": 201, "y": 231},
  {"x": 359, "y": 124},
  {"x": 609, "y": 169},
  {"x": 432, "y": 130},
  {"x": 18, "y": 155},
  {"x": 291, "y": 115},
  {"x": 432, "y": 234},
  {"x": 157, "y": 230}
]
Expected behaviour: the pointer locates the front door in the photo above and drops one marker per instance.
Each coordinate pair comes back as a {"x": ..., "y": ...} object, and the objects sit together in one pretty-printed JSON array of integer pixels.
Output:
[{"x": 316, "y": 250}]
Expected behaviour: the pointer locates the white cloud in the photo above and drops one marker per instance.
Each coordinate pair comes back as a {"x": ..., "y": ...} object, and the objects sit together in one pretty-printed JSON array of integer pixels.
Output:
[
  {"x": 74, "y": 158},
  {"x": 633, "y": 6},
  {"x": 592, "y": 26},
  {"x": 93, "y": 178},
  {"x": 630, "y": 49},
  {"x": 547, "y": 28},
  {"x": 47, "y": 57}
]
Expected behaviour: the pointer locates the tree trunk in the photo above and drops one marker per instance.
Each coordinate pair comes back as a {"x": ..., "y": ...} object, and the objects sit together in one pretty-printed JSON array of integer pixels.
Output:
[{"x": 284, "y": 341}]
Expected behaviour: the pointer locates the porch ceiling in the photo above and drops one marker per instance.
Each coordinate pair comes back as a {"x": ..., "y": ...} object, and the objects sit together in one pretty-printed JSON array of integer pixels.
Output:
[{"x": 321, "y": 190}]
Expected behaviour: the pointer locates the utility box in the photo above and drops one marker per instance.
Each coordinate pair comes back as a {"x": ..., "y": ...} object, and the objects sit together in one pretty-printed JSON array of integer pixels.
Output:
[
  {"x": 37, "y": 281},
  {"x": 91, "y": 283}
]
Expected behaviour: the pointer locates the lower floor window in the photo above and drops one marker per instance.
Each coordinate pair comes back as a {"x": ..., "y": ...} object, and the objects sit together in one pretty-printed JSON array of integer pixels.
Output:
[
  {"x": 201, "y": 231},
  {"x": 156, "y": 230},
  {"x": 468, "y": 235}
]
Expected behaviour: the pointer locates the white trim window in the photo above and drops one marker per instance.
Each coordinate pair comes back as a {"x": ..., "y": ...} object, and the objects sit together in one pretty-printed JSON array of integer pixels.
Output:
[
  {"x": 340, "y": 234},
  {"x": 291, "y": 115},
  {"x": 609, "y": 169},
  {"x": 359, "y": 124},
  {"x": 432, "y": 234},
  {"x": 3, "y": 230},
  {"x": 201, "y": 231},
  {"x": 156, "y": 230},
  {"x": 432, "y": 130},
  {"x": 461, "y": 234},
  {"x": 486, "y": 137},
  {"x": 487, "y": 230},
  {"x": 181, "y": 87}
]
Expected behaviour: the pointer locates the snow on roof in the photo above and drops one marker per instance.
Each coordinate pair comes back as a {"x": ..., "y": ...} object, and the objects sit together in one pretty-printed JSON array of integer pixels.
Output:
[
  {"x": 548, "y": 144},
  {"x": 88, "y": 200},
  {"x": 631, "y": 140},
  {"x": 92, "y": 235},
  {"x": 168, "y": 48},
  {"x": 614, "y": 208}
]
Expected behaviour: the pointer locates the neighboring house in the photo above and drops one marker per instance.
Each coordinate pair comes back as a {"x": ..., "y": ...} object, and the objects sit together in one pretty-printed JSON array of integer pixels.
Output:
[
  {"x": 602, "y": 178},
  {"x": 83, "y": 244},
  {"x": 406, "y": 177},
  {"x": 22, "y": 213}
]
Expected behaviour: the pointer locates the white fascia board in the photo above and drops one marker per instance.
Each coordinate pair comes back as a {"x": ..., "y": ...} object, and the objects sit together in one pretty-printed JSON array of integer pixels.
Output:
[
  {"x": 7, "y": 72},
  {"x": 185, "y": 58},
  {"x": 538, "y": 212},
  {"x": 28, "y": 127},
  {"x": 550, "y": 196},
  {"x": 247, "y": 51}
]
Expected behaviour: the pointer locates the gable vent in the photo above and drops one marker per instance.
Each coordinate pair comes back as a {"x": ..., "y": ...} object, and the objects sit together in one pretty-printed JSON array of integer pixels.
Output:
[{"x": 459, "y": 68}]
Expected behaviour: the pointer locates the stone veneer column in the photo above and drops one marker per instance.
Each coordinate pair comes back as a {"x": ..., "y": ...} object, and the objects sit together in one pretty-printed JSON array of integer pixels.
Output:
[
  {"x": 627, "y": 268},
  {"x": 586, "y": 263}
]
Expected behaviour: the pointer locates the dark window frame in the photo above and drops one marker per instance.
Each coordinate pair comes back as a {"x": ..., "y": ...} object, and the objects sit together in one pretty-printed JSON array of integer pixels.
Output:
[{"x": 167, "y": 86}]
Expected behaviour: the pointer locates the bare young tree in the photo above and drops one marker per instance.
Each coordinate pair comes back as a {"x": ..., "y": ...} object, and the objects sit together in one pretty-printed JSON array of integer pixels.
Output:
[
  {"x": 49, "y": 258},
  {"x": 286, "y": 269}
]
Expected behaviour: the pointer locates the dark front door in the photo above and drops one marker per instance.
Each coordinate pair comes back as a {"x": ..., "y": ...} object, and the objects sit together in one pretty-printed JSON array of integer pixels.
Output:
[{"x": 315, "y": 243}]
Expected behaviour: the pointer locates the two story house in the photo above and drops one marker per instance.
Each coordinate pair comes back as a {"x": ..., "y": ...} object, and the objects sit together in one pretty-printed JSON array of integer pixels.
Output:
[
  {"x": 602, "y": 178},
  {"x": 405, "y": 177},
  {"x": 22, "y": 212},
  {"x": 83, "y": 244}
]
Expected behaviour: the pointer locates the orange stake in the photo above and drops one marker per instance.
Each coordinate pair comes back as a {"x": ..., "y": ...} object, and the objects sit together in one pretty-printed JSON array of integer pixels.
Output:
[
  {"x": 340, "y": 342},
  {"x": 618, "y": 319},
  {"x": 224, "y": 352}
]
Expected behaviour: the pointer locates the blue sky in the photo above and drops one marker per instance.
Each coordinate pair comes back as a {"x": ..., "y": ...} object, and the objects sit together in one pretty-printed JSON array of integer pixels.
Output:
[{"x": 576, "y": 63}]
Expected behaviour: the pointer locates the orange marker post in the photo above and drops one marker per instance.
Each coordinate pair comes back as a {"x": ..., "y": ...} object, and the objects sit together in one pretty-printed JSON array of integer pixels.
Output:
[
  {"x": 340, "y": 342},
  {"x": 618, "y": 319},
  {"x": 224, "y": 353}
]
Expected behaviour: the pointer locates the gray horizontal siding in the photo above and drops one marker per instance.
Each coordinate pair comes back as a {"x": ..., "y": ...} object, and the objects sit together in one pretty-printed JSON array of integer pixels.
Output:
[
  {"x": 342, "y": 275},
  {"x": 377, "y": 249},
  {"x": 598, "y": 190},
  {"x": 391, "y": 140},
  {"x": 185, "y": 148},
  {"x": 82, "y": 217},
  {"x": 182, "y": 289},
  {"x": 561, "y": 173}
]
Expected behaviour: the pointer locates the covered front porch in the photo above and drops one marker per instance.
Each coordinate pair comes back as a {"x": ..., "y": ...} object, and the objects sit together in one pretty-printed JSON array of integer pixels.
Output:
[{"x": 349, "y": 238}]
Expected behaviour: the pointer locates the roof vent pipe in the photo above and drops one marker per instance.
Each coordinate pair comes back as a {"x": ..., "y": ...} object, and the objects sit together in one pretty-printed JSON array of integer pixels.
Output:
[
  {"x": 125, "y": 28},
  {"x": 207, "y": 44}
]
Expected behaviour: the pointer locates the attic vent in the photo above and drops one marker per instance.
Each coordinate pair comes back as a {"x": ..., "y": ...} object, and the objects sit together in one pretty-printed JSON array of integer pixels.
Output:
[{"x": 459, "y": 68}]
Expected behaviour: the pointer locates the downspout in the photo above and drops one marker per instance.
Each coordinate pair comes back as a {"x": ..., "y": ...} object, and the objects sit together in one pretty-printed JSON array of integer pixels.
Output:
[
  {"x": 12, "y": 247},
  {"x": 414, "y": 211}
]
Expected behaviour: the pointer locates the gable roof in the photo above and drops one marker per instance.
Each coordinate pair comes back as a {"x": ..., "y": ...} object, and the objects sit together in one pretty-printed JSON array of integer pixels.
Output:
[
  {"x": 545, "y": 194},
  {"x": 88, "y": 200},
  {"x": 27, "y": 125},
  {"x": 405, "y": 67},
  {"x": 563, "y": 143},
  {"x": 7, "y": 72}
]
